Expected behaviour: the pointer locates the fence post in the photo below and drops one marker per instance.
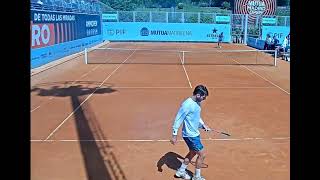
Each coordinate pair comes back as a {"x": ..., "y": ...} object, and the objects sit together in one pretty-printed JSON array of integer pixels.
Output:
[
  {"x": 183, "y": 17},
  {"x": 117, "y": 16},
  {"x": 231, "y": 18},
  {"x": 285, "y": 21},
  {"x": 134, "y": 16},
  {"x": 245, "y": 29},
  {"x": 167, "y": 16},
  {"x": 242, "y": 15},
  {"x": 150, "y": 16},
  {"x": 199, "y": 17}
]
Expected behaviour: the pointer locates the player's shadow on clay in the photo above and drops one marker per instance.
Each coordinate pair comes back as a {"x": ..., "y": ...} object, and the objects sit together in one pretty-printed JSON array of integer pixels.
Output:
[{"x": 171, "y": 159}]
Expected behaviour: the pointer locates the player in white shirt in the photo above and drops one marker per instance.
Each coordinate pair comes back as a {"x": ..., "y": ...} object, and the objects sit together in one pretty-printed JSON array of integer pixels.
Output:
[{"x": 189, "y": 116}]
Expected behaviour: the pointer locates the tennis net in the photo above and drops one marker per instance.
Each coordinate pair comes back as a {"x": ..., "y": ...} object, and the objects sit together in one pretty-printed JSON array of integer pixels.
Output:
[{"x": 190, "y": 57}]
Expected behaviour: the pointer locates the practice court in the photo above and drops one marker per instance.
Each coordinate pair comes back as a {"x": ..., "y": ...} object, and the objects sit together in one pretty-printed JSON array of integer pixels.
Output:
[{"x": 111, "y": 119}]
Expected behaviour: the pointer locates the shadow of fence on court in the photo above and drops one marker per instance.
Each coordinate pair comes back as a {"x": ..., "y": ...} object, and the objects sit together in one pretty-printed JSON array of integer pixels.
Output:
[{"x": 99, "y": 160}]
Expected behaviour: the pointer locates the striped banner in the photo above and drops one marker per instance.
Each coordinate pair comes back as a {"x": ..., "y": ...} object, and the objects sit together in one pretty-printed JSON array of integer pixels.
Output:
[
  {"x": 255, "y": 8},
  {"x": 49, "y": 28}
]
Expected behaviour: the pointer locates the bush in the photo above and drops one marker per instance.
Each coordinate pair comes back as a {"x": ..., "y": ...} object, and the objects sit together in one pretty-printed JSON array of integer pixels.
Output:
[
  {"x": 203, "y": 4},
  {"x": 225, "y": 5},
  {"x": 180, "y": 6}
]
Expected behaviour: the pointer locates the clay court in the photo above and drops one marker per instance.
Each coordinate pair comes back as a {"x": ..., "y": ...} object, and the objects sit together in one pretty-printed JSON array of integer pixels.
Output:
[{"x": 112, "y": 121}]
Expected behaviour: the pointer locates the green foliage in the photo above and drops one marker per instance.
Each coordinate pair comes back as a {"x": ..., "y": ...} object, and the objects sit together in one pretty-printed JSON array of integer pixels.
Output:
[
  {"x": 253, "y": 32},
  {"x": 180, "y": 6},
  {"x": 121, "y": 5},
  {"x": 226, "y": 5},
  {"x": 206, "y": 18},
  {"x": 283, "y": 2},
  {"x": 203, "y": 4},
  {"x": 142, "y": 17},
  {"x": 191, "y": 19}
]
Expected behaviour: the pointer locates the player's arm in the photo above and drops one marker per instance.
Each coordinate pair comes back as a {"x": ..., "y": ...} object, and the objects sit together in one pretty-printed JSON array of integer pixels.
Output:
[
  {"x": 181, "y": 115},
  {"x": 203, "y": 125}
]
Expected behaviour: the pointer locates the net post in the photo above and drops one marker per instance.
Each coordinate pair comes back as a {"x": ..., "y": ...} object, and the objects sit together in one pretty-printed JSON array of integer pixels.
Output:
[
  {"x": 182, "y": 57},
  {"x": 86, "y": 55},
  {"x": 275, "y": 57}
]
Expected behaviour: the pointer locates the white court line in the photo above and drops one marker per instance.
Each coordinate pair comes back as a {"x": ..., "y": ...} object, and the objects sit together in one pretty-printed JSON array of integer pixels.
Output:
[
  {"x": 156, "y": 87},
  {"x": 185, "y": 71},
  {"x": 163, "y": 140},
  {"x": 266, "y": 80},
  {"x": 164, "y": 87},
  {"x": 259, "y": 76},
  {"x": 88, "y": 97},
  {"x": 35, "y": 109},
  {"x": 74, "y": 82},
  {"x": 172, "y": 87},
  {"x": 244, "y": 87},
  {"x": 51, "y": 98}
]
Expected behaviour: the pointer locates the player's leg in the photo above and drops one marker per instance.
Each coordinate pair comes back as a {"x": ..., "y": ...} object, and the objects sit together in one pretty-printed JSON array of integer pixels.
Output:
[
  {"x": 201, "y": 156},
  {"x": 181, "y": 172}
]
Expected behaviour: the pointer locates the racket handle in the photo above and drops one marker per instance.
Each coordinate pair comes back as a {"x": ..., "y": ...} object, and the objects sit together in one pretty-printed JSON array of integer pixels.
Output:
[{"x": 224, "y": 133}]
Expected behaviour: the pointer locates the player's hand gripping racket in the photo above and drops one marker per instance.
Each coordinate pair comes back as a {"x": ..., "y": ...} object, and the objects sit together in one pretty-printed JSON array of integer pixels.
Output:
[{"x": 219, "y": 132}]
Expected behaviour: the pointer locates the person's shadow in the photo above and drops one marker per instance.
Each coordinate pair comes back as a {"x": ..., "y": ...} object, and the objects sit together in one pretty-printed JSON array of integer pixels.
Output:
[{"x": 171, "y": 159}]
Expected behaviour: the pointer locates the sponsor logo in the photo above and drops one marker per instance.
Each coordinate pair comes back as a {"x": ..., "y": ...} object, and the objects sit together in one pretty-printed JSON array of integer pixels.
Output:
[
  {"x": 42, "y": 35},
  {"x": 112, "y": 32},
  {"x": 214, "y": 34},
  {"x": 145, "y": 32},
  {"x": 90, "y": 24},
  {"x": 256, "y": 7}
]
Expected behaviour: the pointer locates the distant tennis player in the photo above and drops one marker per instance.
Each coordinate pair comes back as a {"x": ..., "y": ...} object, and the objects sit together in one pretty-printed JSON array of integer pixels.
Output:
[
  {"x": 220, "y": 38},
  {"x": 189, "y": 115}
]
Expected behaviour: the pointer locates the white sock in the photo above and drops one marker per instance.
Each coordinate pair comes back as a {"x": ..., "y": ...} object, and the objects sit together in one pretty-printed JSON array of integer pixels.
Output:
[
  {"x": 197, "y": 174},
  {"x": 183, "y": 167}
]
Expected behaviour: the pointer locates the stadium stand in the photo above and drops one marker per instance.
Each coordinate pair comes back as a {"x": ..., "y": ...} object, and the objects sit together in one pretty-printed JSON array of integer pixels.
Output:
[{"x": 77, "y": 6}]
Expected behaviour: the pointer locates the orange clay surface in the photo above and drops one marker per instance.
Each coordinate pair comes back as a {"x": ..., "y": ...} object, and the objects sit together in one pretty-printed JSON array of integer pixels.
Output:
[{"x": 113, "y": 121}]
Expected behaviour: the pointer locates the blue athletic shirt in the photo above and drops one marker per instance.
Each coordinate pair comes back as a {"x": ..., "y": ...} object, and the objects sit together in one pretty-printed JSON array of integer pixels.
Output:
[{"x": 189, "y": 115}]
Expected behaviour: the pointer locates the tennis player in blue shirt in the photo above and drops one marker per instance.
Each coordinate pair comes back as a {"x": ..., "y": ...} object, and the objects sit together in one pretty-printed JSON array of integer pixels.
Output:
[
  {"x": 189, "y": 116},
  {"x": 220, "y": 38}
]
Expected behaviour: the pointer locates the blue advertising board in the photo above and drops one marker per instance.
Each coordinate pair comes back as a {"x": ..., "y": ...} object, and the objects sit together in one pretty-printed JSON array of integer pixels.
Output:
[
  {"x": 49, "y": 28},
  {"x": 58, "y": 34},
  {"x": 41, "y": 56},
  {"x": 255, "y": 42},
  {"x": 271, "y": 21},
  {"x": 142, "y": 31},
  {"x": 279, "y": 31}
]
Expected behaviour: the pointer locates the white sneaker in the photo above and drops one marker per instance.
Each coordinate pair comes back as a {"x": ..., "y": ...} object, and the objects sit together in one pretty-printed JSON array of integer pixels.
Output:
[
  {"x": 183, "y": 175},
  {"x": 198, "y": 178}
]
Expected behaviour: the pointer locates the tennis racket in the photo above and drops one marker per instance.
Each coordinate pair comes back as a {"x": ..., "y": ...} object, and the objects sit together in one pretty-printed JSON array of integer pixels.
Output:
[{"x": 220, "y": 132}]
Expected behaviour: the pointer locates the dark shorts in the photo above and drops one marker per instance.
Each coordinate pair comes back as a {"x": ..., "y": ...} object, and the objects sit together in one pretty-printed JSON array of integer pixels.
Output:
[{"x": 193, "y": 143}]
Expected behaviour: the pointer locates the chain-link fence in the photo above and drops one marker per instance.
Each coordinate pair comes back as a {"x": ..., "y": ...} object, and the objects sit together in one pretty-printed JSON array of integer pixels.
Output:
[{"x": 241, "y": 26}]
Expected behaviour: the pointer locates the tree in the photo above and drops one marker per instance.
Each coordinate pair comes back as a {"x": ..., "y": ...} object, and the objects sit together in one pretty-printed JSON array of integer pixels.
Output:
[
  {"x": 283, "y": 2},
  {"x": 225, "y": 5},
  {"x": 122, "y": 5}
]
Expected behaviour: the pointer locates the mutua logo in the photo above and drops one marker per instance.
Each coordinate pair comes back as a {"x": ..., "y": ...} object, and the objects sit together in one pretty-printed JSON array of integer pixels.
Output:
[{"x": 144, "y": 31}]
